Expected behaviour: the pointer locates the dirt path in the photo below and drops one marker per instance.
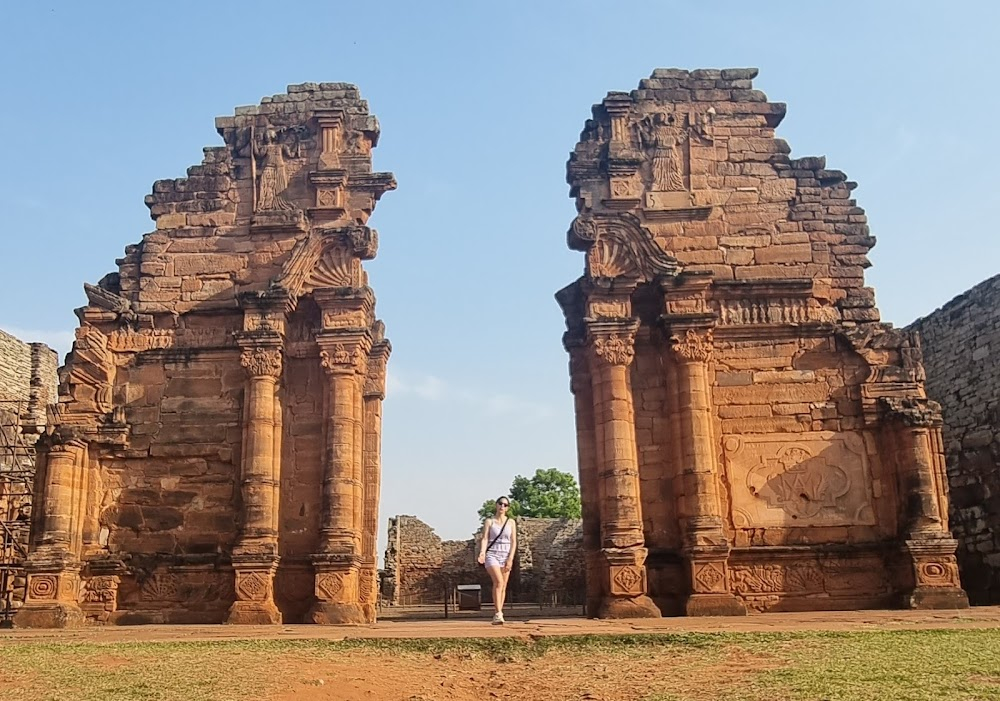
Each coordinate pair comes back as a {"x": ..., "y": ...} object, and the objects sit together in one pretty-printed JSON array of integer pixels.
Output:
[{"x": 978, "y": 617}]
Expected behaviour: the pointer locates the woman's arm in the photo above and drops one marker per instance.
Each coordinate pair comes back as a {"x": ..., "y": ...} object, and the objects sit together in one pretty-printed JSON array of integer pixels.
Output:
[{"x": 484, "y": 541}]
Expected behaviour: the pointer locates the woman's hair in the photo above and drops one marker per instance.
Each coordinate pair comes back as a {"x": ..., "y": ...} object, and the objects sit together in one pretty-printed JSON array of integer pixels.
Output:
[{"x": 501, "y": 498}]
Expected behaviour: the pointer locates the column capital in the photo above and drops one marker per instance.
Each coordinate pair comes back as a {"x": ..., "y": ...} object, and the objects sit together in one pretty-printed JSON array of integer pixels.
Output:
[
  {"x": 344, "y": 350},
  {"x": 913, "y": 412},
  {"x": 613, "y": 340},
  {"x": 261, "y": 361},
  {"x": 693, "y": 345},
  {"x": 378, "y": 359}
]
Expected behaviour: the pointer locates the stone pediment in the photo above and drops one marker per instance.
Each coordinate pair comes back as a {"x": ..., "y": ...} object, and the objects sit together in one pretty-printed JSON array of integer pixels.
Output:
[
  {"x": 618, "y": 246},
  {"x": 329, "y": 258}
]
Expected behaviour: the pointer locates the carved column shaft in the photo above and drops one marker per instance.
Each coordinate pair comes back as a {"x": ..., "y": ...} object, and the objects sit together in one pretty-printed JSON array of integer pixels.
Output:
[
  {"x": 590, "y": 492},
  {"x": 255, "y": 555},
  {"x": 622, "y": 539},
  {"x": 64, "y": 463},
  {"x": 259, "y": 483},
  {"x": 342, "y": 488},
  {"x": 919, "y": 483},
  {"x": 706, "y": 546},
  {"x": 699, "y": 472},
  {"x": 619, "y": 464}
]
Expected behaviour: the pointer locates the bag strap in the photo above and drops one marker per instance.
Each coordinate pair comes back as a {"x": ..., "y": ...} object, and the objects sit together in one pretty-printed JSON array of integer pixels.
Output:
[{"x": 502, "y": 529}]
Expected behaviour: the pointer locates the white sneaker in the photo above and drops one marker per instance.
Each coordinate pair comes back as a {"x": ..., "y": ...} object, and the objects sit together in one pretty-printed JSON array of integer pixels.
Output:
[{"x": 498, "y": 619}]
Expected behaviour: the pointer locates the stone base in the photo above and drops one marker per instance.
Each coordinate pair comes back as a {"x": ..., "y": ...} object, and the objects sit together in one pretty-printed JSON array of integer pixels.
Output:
[
  {"x": 714, "y": 605},
  {"x": 254, "y": 613},
  {"x": 627, "y": 607},
  {"x": 937, "y": 598},
  {"x": 50, "y": 615},
  {"x": 335, "y": 614}
]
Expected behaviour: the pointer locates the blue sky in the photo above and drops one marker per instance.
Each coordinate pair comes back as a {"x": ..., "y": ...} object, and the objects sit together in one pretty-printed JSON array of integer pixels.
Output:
[{"x": 480, "y": 105}]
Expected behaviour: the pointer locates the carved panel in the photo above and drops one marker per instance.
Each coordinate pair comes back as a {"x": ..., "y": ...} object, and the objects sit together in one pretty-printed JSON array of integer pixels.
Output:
[
  {"x": 100, "y": 590},
  {"x": 816, "y": 478},
  {"x": 42, "y": 586},
  {"x": 709, "y": 577},
  {"x": 744, "y": 312},
  {"x": 627, "y": 580},
  {"x": 160, "y": 587},
  {"x": 937, "y": 573},
  {"x": 794, "y": 578},
  {"x": 252, "y": 586},
  {"x": 329, "y": 586}
]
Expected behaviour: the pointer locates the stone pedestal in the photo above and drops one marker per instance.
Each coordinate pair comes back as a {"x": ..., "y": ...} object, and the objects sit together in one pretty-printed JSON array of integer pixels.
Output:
[
  {"x": 336, "y": 591},
  {"x": 52, "y": 596},
  {"x": 52, "y": 568},
  {"x": 254, "y": 603}
]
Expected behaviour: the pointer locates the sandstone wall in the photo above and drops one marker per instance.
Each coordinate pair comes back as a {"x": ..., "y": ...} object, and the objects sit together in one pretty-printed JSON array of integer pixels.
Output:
[
  {"x": 420, "y": 567},
  {"x": 961, "y": 347},
  {"x": 28, "y": 372}
]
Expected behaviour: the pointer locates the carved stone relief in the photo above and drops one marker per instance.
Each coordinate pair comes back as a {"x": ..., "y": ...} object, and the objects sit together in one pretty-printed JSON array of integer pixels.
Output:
[{"x": 817, "y": 478}]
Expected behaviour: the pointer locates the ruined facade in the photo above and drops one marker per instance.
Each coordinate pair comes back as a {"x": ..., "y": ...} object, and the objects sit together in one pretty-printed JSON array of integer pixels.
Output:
[
  {"x": 215, "y": 454},
  {"x": 750, "y": 436},
  {"x": 420, "y": 568},
  {"x": 961, "y": 349}
]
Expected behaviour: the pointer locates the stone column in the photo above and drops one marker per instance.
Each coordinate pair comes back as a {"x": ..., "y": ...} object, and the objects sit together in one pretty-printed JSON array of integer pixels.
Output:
[
  {"x": 590, "y": 493},
  {"x": 52, "y": 566},
  {"x": 928, "y": 544},
  {"x": 338, "y": 562},
  {"x": 624, "y": 582},
  {"x": 374, "y": 394},
  {"x": 705, "y": 544},
  {"x": 255, "y": 555}
]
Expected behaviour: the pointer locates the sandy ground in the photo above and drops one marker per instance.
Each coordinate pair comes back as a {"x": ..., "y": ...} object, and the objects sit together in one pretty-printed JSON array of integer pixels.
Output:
[{"x": 479, "y": 627}]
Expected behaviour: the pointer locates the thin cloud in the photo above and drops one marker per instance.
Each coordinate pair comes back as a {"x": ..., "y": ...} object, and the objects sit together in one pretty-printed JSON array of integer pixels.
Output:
[{"x": 431, "y": 388}]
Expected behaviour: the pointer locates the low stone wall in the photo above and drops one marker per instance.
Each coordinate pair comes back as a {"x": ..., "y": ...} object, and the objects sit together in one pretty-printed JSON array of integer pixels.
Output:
[
  {"x": 961, "y": 347},
  {"x": 420, "y": 568}
]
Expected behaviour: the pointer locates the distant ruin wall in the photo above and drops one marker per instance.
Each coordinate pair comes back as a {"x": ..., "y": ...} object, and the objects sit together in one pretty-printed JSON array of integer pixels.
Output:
[
  {"x": 420, "y": 568},
  {"x": 961, "y": 346},
  {"x": 27, "y": 374}
]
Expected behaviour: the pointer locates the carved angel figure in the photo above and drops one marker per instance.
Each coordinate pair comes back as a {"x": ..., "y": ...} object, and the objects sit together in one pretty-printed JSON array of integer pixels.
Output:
[
  {"x": 271, "y": 177},
  {"x": 658, "y": 132}
]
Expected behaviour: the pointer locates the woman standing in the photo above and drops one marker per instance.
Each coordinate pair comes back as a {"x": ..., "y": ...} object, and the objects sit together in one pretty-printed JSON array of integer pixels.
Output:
[{"x": 496, "y": 551}]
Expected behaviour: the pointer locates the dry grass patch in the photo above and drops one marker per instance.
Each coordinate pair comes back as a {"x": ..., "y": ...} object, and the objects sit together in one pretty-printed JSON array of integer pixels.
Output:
[{"x": 915, "y": 666}]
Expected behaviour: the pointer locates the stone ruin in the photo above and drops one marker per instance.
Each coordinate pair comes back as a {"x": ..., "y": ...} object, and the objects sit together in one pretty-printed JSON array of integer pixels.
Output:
[
  {"x": 960, "y": 345},
  {"x": 750, "y": 436},
  {"x": 420, "y": 568},
  {"x": 216, "y": 445}
]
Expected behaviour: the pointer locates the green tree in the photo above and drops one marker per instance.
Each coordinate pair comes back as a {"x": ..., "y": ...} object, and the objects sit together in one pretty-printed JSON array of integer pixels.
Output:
[{"x": 549, "y": 494}]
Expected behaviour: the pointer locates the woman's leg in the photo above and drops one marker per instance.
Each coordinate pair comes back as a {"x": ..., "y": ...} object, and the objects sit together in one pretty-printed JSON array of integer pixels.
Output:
[
  {"x": 499, "y": 585},
  {"x": 504, "y": 576}
]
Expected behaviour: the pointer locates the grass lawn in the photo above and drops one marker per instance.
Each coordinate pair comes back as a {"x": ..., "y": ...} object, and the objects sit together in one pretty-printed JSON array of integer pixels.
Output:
[{"x": 938, "y": 665}]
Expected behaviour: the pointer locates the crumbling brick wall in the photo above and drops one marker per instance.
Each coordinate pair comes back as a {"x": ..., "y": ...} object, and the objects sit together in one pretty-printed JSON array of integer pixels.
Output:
[
  {"x": 420, "y": 567},
  {"x": 961, "y": 348}
]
